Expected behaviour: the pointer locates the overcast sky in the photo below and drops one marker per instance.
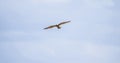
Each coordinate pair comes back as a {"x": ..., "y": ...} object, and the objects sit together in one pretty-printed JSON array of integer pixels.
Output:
[{"x": 92, "y": 36}]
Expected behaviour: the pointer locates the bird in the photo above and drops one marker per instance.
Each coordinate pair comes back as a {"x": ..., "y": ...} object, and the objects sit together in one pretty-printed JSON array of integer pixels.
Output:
[{"x": 57, "y": 25}]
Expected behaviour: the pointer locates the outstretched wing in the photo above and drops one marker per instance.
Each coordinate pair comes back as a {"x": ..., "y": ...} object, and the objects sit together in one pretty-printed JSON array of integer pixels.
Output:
[
  {"x": 63, "y": 22},
  {"x": 50, "y": 26}
]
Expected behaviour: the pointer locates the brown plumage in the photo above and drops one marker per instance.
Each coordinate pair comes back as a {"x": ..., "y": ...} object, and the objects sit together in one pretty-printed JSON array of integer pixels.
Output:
[{"x": 57, "y": 25}]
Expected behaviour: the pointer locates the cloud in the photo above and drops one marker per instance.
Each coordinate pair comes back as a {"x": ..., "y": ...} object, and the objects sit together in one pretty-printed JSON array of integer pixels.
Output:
[
  {"x": 99, "y": 50},
  {"x": 98, "y": 3},
  {"x": 62, "y": 50},
  {"x": 51, "y": 1},
  {"x": 85, "y": 38}
]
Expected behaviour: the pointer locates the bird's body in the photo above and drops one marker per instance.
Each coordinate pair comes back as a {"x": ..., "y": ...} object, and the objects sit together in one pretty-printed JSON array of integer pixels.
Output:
[{"x": 57, "y": 25}]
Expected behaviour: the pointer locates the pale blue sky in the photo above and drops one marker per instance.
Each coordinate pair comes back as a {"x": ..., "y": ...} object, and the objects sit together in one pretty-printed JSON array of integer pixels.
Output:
[{"x": 91, "y": 37}]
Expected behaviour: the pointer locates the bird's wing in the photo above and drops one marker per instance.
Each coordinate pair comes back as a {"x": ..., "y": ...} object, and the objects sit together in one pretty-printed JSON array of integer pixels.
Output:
[
  {"x": 50, "y": 26},
  {"x": 63, "y": 22}
]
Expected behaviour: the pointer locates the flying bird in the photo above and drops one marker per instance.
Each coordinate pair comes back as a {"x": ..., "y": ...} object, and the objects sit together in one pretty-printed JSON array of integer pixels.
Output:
[{"x": 57, "y": 25}]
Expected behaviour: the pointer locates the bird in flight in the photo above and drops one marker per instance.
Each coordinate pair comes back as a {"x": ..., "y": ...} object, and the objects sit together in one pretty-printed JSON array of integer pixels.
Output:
[{"x": 57, "y": 25}]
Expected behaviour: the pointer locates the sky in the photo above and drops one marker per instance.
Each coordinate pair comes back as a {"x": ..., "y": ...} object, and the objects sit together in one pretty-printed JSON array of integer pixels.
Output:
[{"x": 92, "y": 36}]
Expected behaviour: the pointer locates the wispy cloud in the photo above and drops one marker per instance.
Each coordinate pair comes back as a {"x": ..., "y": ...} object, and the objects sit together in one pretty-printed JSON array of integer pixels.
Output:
[
  {"x": 98, "y": 3},
  {"x": 91, "y": 36},
  {"x": 50, "y": 1},
  {"x": 64, "y": 49}
]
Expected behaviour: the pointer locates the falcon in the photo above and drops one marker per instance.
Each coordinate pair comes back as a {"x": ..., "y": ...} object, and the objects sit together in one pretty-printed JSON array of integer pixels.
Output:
[{"x": 57, "y": 25}]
